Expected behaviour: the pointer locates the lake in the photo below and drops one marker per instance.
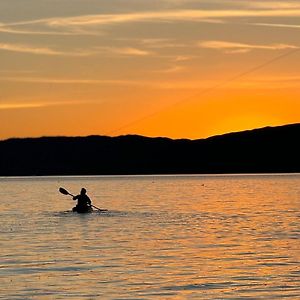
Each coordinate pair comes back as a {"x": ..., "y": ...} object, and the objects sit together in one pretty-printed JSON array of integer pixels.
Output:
[{"x": 164, "y": 237}]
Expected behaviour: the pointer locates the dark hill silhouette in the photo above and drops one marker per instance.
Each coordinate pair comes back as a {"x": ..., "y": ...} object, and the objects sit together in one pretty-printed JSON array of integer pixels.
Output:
[{"x": 265, "y": 150}]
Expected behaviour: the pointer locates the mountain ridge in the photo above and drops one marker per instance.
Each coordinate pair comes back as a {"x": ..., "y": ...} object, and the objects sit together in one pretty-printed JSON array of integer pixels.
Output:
[{"x": 262, "y": 150}]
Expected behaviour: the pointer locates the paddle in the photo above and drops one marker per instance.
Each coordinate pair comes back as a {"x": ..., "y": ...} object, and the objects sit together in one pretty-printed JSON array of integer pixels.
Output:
[{"x": 65, "y": 192}]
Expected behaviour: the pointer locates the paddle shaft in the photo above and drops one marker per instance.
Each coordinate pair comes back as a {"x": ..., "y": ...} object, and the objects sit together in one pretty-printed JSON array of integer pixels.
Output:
[{"x": 98, "y": 208}]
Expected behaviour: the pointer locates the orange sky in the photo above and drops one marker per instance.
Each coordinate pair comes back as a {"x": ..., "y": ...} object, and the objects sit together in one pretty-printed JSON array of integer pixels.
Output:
[{"x": 164, "y": 68}]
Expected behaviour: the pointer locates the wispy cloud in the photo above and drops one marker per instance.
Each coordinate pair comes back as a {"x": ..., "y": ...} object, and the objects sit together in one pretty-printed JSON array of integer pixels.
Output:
[
  {"x": 180, "y": 58},
  {"x": 177, "y": 15},
  {"x": 20, "y": 105},
  {"x": 157, "y": 84},
  {"x": 42, "y": 50},
  {"x": 123, "y": 51},
  {"x": 92, "y": 24},
  {"x": 271, "y": 4},
  {"x": 129, "y": 51},
  {"x": 21, "y": 29},
  {"x": 266, "y": 82},
  {"x": 172, "y": 69},
  {"x": 293, "y": 26},
  {"x": 55, "y": 80},
  {"x": 45, "y": 27},
  {"x": 27, "y": 105},
  {"x": 28, "y": 49},
  {"x": 45, "y": 80},
  {"x": 161, "y": 43},
  {"x": 232, "y": 47}
]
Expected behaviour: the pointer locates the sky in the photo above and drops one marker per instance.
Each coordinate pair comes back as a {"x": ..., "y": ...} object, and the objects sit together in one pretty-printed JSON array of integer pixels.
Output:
[{"x": 174, "y": 68}]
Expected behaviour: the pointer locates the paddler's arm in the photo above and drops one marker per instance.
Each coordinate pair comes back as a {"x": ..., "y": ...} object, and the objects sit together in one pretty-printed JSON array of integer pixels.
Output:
[{"x": 89, "y": 202}]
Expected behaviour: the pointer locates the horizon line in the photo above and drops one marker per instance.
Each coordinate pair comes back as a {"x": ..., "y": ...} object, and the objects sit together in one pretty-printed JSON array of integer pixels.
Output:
[{"x": 149, "y": 137}]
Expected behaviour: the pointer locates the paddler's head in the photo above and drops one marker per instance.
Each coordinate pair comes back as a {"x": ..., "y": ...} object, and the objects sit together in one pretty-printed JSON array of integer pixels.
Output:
[{"x": 83, "y": 191}]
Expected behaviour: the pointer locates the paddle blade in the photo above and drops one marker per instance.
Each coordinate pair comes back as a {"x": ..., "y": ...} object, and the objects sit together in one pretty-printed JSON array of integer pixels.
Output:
[{"x": 63, "y": 191}]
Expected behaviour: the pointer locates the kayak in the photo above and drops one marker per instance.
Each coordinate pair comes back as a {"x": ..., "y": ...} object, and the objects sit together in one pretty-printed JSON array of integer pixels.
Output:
[{"x": 82, "y": 210}]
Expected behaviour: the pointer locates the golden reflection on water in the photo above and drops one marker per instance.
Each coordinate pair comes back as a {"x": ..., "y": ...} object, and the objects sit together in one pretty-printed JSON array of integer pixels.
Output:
[{"x": 199, "y": 237}]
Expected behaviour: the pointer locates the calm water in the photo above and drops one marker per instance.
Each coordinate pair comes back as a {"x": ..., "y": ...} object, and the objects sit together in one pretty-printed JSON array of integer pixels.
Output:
[{"x": 172, "y": 237}]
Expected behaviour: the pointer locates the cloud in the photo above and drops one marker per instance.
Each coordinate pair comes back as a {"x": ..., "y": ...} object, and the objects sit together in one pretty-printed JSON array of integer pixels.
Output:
[
  {"x": 62, "y": 80},
  {"x": 271, "y": 4},
  {"x": 13, "y": 30},
  {"x": 20, "y": 105},
  {"x": 231, "y": 47},
  {"x": 90, "y": 24},
  {"x": 44, "y": 27},
  {"x": 127, "y": 51},
  {"x": 161, "y": 43},
  {"x": 21, "y": 48},
  {"x": 200, "y": 85},
  {"x": 130, "y": 51},
  {"x": 173, "y": 69},
  {"x": 150, "y": 16},
  {"x": 26, "y": 105},
  {"x": 28, "y": 49},
  {"x": 180, "y": 58},
  {"x": 72, "y": 81},
  {"x": 277, "y": 25},
  {"x": 159, "y": 84}
]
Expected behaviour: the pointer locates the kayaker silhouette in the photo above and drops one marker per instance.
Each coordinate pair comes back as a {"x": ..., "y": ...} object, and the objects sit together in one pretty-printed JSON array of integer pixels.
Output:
[{"x": 84, "y": 203}]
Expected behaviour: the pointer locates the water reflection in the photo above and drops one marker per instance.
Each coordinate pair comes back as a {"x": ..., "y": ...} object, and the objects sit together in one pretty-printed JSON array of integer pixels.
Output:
[{"x": 164, "y": 237}]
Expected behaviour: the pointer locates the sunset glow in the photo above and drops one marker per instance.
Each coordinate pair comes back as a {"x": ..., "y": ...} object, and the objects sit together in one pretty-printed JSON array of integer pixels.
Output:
[{"x": 182, "y": 69}]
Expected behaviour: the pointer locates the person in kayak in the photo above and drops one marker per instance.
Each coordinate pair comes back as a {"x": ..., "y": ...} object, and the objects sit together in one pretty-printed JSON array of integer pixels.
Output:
[{"x": 84, "y": 203}]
